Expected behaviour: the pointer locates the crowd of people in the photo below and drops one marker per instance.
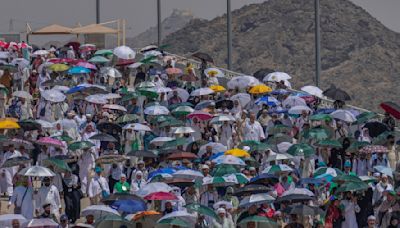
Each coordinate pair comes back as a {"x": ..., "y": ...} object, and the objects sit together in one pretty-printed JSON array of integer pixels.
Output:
[{"x": 152, "y": 140}]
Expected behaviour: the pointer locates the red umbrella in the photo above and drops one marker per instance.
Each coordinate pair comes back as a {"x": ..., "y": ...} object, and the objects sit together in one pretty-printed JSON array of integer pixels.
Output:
[
  {"x": 50, "y": 142},
  {"x": 160, "y": 196},
  {"x": 182, "y": 155},
  {"x": 200, "y": 115},
  {"x": 124, "y": 62},
  {"x": 87, "y": 65},
  {"x": 391, "y": 108}
]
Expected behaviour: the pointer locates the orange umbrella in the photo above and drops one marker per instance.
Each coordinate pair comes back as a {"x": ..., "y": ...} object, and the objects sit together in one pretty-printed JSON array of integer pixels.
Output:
[{"x": 143, "y": 214}]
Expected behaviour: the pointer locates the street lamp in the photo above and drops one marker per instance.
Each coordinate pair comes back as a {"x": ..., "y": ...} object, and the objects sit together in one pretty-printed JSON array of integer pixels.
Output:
[
  {"x": 229, "y": 32},
  {"x": 159, "y": 22},
  {"x": 317, "y": 43},
  {"x": 97, "y": 11}
]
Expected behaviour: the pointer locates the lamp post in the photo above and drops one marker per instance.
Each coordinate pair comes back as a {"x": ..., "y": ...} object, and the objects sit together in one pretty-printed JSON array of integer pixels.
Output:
[
  {"x": 97, "y": 11},
  {"x": 229, "y": 32},
  {"x": 159, "y": 22},
  {"x": 317, "y": 43}
]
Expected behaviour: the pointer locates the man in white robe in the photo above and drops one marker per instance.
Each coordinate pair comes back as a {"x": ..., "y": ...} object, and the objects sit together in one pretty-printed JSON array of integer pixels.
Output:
[
  {"x": 97, "y": 185},
  {"x": 7, "y": 174},
  {"x": 48, "y": 193},
  {"x": 86, "y": 164},
  {"x": 23, "y": 197},
  {"x": 253, "y": 129}
]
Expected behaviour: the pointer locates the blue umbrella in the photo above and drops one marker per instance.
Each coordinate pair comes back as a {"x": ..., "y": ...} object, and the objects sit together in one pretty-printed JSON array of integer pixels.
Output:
[
  {"x": 129, "y": 206},
  {"x": 312, "y": 180},
  {"x": 264, "y": 178},
  {"x": 325, "y": 111},
  {"x": 161, "y": 171},
  {"x": 78, "y": 70},
  {"x": 214, "y": 156},
  {"x": 267, "y": 100},
  {"x": 279, "y": 92},
  {"x": 75, "y": 89}
]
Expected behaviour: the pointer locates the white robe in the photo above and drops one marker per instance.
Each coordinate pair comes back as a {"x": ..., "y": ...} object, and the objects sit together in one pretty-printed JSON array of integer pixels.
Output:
[
  {"x": 350, "y": 210},
  {"x": 253, "y": 131},
  {"x": 8, "y": 173},
  {"x": 97, "y": 184},
  {"x": 48, "y": 195},
  {"x": 26, "y": 204},
  {"x": 226, "y": 135},
  {"x": 86, "y": 164}
]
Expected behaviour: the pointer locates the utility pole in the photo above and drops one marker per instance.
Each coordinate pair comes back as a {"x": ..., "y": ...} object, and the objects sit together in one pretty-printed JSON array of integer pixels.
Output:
[
  {"x": 97, "y": 11},
  {"x": 229, "y": 32},
  {"x": 159, "y": 23},
  {"x": 11, "y": 25},
  {"x": 317, "y": 43}
]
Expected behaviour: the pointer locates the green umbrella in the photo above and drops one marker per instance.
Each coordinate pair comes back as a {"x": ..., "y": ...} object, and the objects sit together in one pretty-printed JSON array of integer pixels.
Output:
[
  {"x": 182, "y": 111},
  {"x": 148, "y": 92},
  {"x": 279, "y": 138},
  {"x": 112, "y": 221},
  {"x": 146, "y": 84},
  {"x": 3, "y": 89},
  {"x": 317, "y": 133},
  {"x": 174, "y": 106},
  {"x": 358, "y": 144},
  {"x": 29, "y": 125},
  {"x": 266, "y": 223},
  {"x": 80, "y": 145},
  {"x": 98, "y": 59},
  {"x": 59, "y": 165},
  {"x": 172, "y": 123},
  {"x": 9, "y": 67},
  {"x": 382, "y": 138},
  {"x": 148, "y": 60},
  {"x": 352, "y": 186},
  {"x": 3, "y": 138},
  {"x": 203, "y": 210},
  {"x": 129, "y": 96},
  {"x": 65, "y": 138},
  {"x": 104, "y": 52},
  {"x": 320, "y": 117},
  {"x": 344, "y": 178},
  {"x": 174, "y": 143},
  {"x": 251, "y": 161},
  {"x": 333, "y": 143},
  {"x": 174, "y": 222},
  {"x": 301, "y": 149},
  {"x": 224, "y": 169},
  {"x": 127, "y": 118},
  {"x": 250, "y": 143},
  {"x": 327, "y": 170},
  {"x": 364, "y": 117},
  {"x": 161, "y": 118},
  {"x": 279, "y": 128}
]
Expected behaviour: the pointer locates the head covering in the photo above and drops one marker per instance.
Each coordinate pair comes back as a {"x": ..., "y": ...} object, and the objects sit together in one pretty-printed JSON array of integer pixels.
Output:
[
  {"x": 64, "y": 217},
  {"x": 221, "y": 211},
  {"x": 252, "y": 169},
  {"x": 123, "y": 175},
  {"x": 246, "y": 148},
  {"x": 205, "y": 167},
  {"x": 371, "y": 217},
  {"x": 229, "y": 190},
  {"x": 98, "y": 169},
  {"x": 347, "y": 164},
  {"x": 140, "y": 162}
]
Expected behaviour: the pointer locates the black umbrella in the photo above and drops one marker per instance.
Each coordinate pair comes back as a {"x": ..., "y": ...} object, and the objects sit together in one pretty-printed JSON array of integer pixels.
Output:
[
  {"x": 108, "y": 127},
  {"x": 29, "y": 125},
  {"x": 180, "y": 182},
  {"x": 224, "y": 104},
  {"x": 143, "y": 153},
  {"x": 303, "y": 209},
  {"x": 120, "y": 196},
  {"x": 251, "y": 189},
  {"x": 264, "y": 179},
  {"x": 203, "y": 56},
  {"x": 294, "y": 198},
  {"x": 204, "y": 104},
  {"x": 16, "y": 161},
  {"x": 336, "y": 94},
  {"x": 104, "y": 137},
  {"x": 261, "y": 73},
  {"x": 376, "y": 128}
]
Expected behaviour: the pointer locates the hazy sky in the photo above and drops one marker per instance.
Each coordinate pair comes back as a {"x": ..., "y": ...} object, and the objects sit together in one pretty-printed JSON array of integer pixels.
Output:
[{"x": 140, "y": 14}]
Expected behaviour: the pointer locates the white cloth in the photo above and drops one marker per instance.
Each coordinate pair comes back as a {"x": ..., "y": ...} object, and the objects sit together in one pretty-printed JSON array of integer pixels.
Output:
[
  {"x": 253, "y": 131},
  {"x": 26, "y": 204},
  {"x": 86, "y": 164},
  {"x": 48, "y": 195},
  {"x": 97, "y": 185},
  {"x": 350, "y": 210},
  {"x": 7, "y": 174}
]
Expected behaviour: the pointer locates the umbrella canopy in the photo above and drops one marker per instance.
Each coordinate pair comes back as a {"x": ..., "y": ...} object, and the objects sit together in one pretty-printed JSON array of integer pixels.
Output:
[
  {"x": 292, "y": 101},
  {"x": 81, "y": 145},
  {"x": 78, "y": 70},
  {"x": 137, "y": 127},
  {"x": 214, "y": 72},
  {"x": 143, "y": 153},
  {"x": 183, "y": 130},
  {"x": 336, "y": 94},
  {"x": 332, "y": 143},
  {"x": 229, "y": 160},
  {"x": 376, "y": 128},
  {"x": 158, "y": 141},
  {"x": 110, "y": 72},
  {"x": 203, "y": 56},
  {"x": 58, "y": 164},
  {"x": 215, "y": 148},
  {"x": 261, "y": 221},
  {"x": 200, "y": 115},
  {"x": 384, "y": 170},
  {"x": 202, "y": 92},
  {"x": 104, "y": 52},
  {"x": 29, "y": 125},
  {"x": 182, "y": 110},
  {"x": 343, "y": 115},
  {"x": 114, "y": 107},
  {"x": 153, "y": 187},
  {"x": 320, "y": 117},
  {"x": 237, "y": 152},
  {"x": 374, "y": 149},
  {"x": 256, "y": 199},
  {"x": 6, "y": 219},
  {"x": 267, "y": 100},
  {"x": 8, "y": 123},
  {"x": 172, "y": 71},
  {"x": 301, "y": 149},
  {"x": 188, "y": 174},
  {"x": 47, "y": 141},
  {"x": 114, "y": 221},
  {"x": 53, "y": 95},
  {"x": 391, "y": 108},
  {"x": 156, "y": 110},
  {"x": 352, "y": 186},
  {"x": 160, "y": 196},
  {"x": 109, "y": 127},
  {"x": 99, "y": 211},
  {"x": 326, "y": 170},
  {"x": 313, "y": 90},
  {"x": 124, "y": 52},
  {"x": 277, "y": 168},
  {"x": 260, "y": 89},
  {"x": 297, "y": 110},
  {"x": 16, "y": 161},
  {"x": 222, "y": 118},
  {"x": 182, "y": 155},
  {"x": 243, "y": 98},
  {"x": 103, "y": 137},
  {"x": 36, "y": 171},
  {"x": 110, "y": 159},
  {"x": 98, "y": 60},
  {"x": 87, "y": 65},
  {"x": 42, "y": 222},
  {"x": 276, "y": 77},
  {"x": 22, "y": 94},
  {"x": 243, "y": 82},
  {"x": 127, "y": 118},
  {"x": 129, "y": 206},
  {"x": 201, "y": 209}
]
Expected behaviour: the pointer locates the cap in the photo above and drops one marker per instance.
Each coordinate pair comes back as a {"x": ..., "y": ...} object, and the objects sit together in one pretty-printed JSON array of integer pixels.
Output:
[
  {"x": 347, "y": 164},
  {"x": 46, "y": 204},
  {"x": 221, "y": 210},
  {"x": 205, "y": 167},
  {"x": 64, "y": 218},
  {"x": 123, "y": 175},
  {"x": 140, "y": 162},
  {"x": 252, "y": 169},
  {"x": 98, "y": 169},
  {"x": 371, "y": 217}
]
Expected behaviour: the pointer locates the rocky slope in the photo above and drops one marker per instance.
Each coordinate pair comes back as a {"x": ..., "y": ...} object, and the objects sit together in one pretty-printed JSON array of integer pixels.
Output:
[{"x": 359, "y": 54}]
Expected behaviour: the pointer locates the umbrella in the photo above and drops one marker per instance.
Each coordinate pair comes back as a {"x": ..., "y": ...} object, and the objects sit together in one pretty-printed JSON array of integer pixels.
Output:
[
  {"x": 251, "y": 189},
  {"x": 103, "y": 137},
  {"x": 318, "y": 133},
  {"x": 182, "y": 93},
  {"x": 278, "y": 157},
  {"x": 8, "y": 123},
  {"x": 326, "y": 170},
  {"x": 40, "y": 52},
  {"x": 47, "y": 141},
  {"x": 114, "y": 220},
  {"x": 63, "y": 137},
  {"x": 137, "y": 127},
  {"x": 237, "y": 152},
  {"x": 364, "y": 117},
  {"x": 166, "y": 171},
  {"x": 276, "y": 77},
  {"x": 78, "y": 70},
  {"x": 204, "y": 104},
  {"x": 6, "y": 219},
  {"x": 182, "y": 155},
  {"x": 344, "y": 178},
  {"x": 120, "y": 196},
  {"x": 336, "y": 94},
  {"x": 312, "y": 90},
  {"x": 87, "y": 65},
  {"x": 277, "y": 168},
  {"x": 294, "y": 198},
  {"x": 129, "y": 206},
  {"x": 127, "y": 118},
  {"x": 224, "y": 104},
  {"x": 222, "y": 118},
  {"x": 219, "y": 181},
  {"x": 260, "y": 89},
  {"x": 29, "y": 125},
  {"x": 267, "y": 100},
  {"x": 20, "y": 142},
  {"x": 96, "y": 99},
  {"x": 301, "y": 149},
  {"x": 256, "y": 199},
  {"x": 202, "y": 92},
  {"x": 217, "y": 88},
  {"x": 36, "y": 171},
  {"x": 160, "y": 196},
  {"x": 298, "y": 191},
  {"x": 201, "y": 209},
  {"x": 98, "y": 60},
  {"x": 110, "y": 72},
  {"x": 375, "y": 128},
  {"x": 115, "y": 107},
  {"x": 215, "y": 147},
  {"x": 358, "y": 144},
  {"x": 183, "y": 130},
  {"x": 243, "y": 98},
  {"x": 203, "y": 56},
  {"x": 22, "y": 94},
  {"x": 333, "y": 143},
  {"x": 171, "y": 71},
  {"x": 109, "y": 127},
  {"x": 16, "y": 161},
  {"x": 242, "y": 82},
  {"x": 124, "y": 52},
  {"x": 391, "y": 108},
  {"x": 200, "y": 115},
  {"x": 292, "y": 101},
  {"x": 104, "y": 52},
  {"x": 374, "y": 149},
  {"x": 81, "y": 145},
  {"x": 188, "y": 174},
  {"x": 320, "y": 117},
  {"x": 182, "y": 110},
  {"x": 148, "y": 92},
  {"x": 265, "y": 179},
  {"x": 384, "y": 170},
  {"x": 142, "y": 215},
  {"x": 239, "y": 178},
  {"x": 297, "y": 110},
  {"x": 352, "y": 186},
  {"x": 156, "y": 110},
  {"x": 143, "y": 153},
  {"x": 224, "y": 169},
  {"x": 229, "y": 160},
  {"x": 98, "y": 211},
  {"x": 42, "y": 222},
  {"x": 264, "y": 222},
  {"x": 343, "y": 115},
  {"x": 214, "y": 72},
  {"x": 110, "y": 159},
  {"x": 153, "y": 187},
  {"x": 158, "y": 141},
  {"x": 53, "y": 95},
  {"x": 58, "y": 164}
]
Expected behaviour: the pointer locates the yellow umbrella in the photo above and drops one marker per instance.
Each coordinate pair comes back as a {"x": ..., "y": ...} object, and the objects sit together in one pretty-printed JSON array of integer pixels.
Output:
[
  {"x": 58, "y": 67},
  {"x": 260, "y": 89},
  {"x": 217, "y": 88},
  {"x": 237, "y": 152},
  {"x": 9, "y": 123}
]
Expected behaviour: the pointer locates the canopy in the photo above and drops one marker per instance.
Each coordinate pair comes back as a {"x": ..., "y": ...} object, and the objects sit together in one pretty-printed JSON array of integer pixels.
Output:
[
  {"x": 94, "y": 29},
  {"x": 53, "y": 29}
]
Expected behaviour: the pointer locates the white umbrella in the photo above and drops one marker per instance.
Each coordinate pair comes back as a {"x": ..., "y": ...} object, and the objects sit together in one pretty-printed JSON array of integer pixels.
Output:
[
  {"x": 242, "y": 82},
  {"x": 292, "y": 101},
  {"x": 215, "y": 72},
  {"x": 135, "y": 65},
  {"x": 158, "y": 141},
  {"x": 44, "y": 123},
  {"x": 276, "y": 77},
  {"x": 36, "y": 171},
  {"x": 243, "y": 98},
  {"x": 148, "y": 54},
  {"x": 115, "y": 107},
  {"x": 163, "y": 90},
  {"x": 297, "y": 110},
  {"x": 216, "y": 147},
  {"x": 99, "y": 211},
  {"x": 6, "y": 219},
  {"x": 41, "y": 52},
  {"x": 110, "y": 72},
  {"x": 96, "y": 99},
  {"x": 124, "y": 52},
  {"x": 182, "y": 93},
  {"x": 282, "y": 168},
  {"x": 22, "y": 94},
  {"x": 278, "y": 157},
  {"x": 343, "y": 115},
  {"x": 21, "y": 62},
  {"x": 229, "y": 160},
  {"x": 156, "y": 110},
  {"x": 137, "y": 127},
  {"x": 41, "y": 223},
  {"x": 222, "y": 118},
  {"x": 188, "y": 174},
  {"x": 111, "y": 96},
  {"x": 61, "y": 88},
  {"x": 201, "y": 92},
  {"x": 146, "y": 84},
  {"x": 153, "y": 187},
  {"x": 256, "y": 199},
  {"x": 184, "y": 215},
  {"x": 53, "y": 95},
  {"x": 283, "y": 146},
  {"x": 298, "y": 191},
  {"x": 183, "y": 130},
  {"x": 313, "y": 90},
  {"x": 4, "y": 54},
  {"x": 148, "y": 48}
]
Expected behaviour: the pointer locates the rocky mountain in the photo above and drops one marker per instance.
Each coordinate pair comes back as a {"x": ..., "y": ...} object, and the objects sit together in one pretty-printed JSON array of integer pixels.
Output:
[
  {"x": 359, "y": 54},
  {"x": 177, "y": 20}
]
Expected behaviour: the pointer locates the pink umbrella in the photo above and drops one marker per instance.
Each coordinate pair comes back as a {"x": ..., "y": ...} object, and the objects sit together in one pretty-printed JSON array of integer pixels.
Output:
[
  {"x": 87, "y": 65},
  {"x": 160, "y": 196},
  {"x": 200, "y": 115},
  {"x": 174, "y": 71},
  {"x": 47, "y": 141}
]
